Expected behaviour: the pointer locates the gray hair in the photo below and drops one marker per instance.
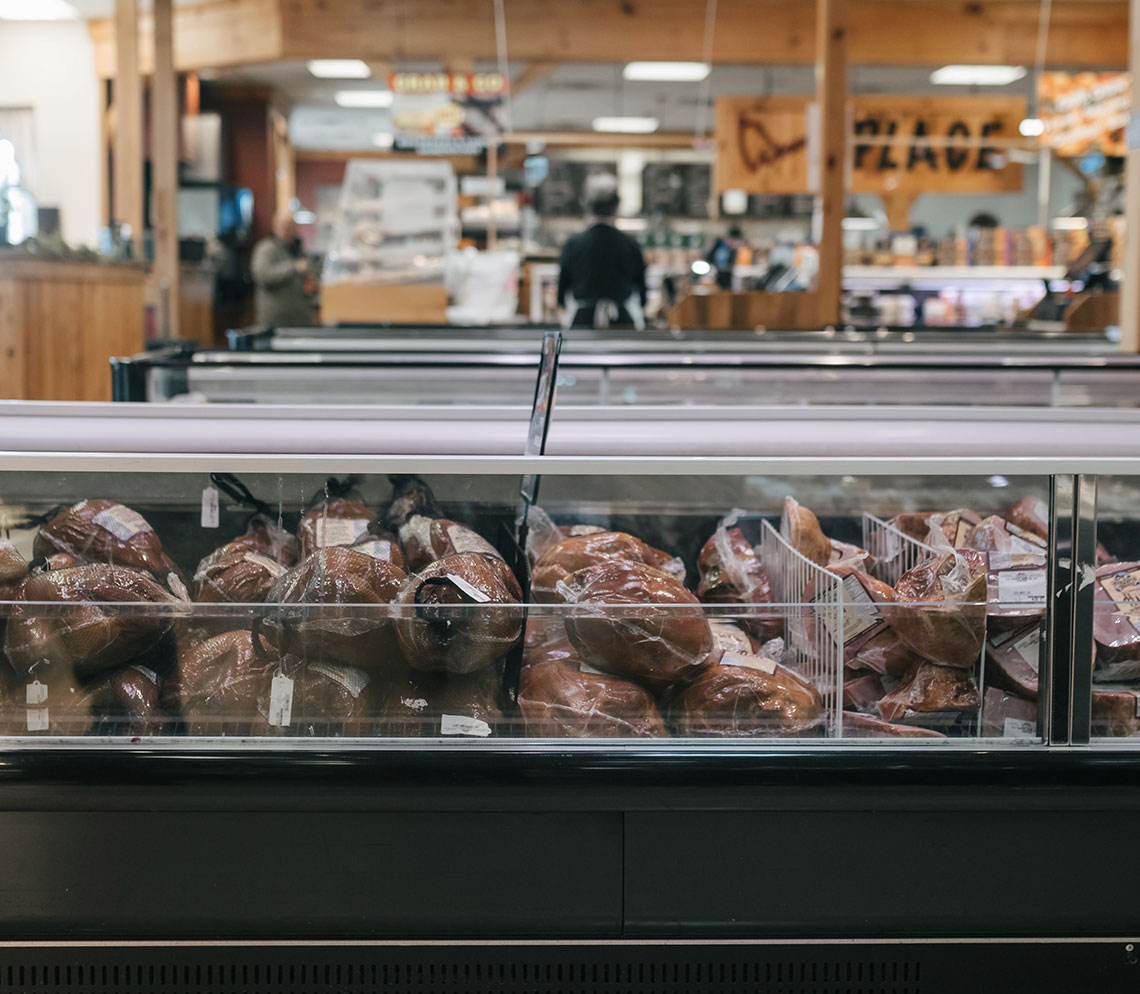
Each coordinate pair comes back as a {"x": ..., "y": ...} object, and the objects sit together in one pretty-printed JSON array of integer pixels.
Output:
[{"x": 601, "y": 194}]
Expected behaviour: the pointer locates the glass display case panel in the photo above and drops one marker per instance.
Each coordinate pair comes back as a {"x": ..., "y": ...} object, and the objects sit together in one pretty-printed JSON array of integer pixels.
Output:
[{"x": 746, "y": 610}]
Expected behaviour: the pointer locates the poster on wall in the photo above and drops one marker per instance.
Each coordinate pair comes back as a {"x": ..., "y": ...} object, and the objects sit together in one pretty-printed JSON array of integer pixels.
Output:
[
  {"x": 447, "y": 113},
  {"x": 1084, "y": 112},
  {"x": 896, "y": 144}
]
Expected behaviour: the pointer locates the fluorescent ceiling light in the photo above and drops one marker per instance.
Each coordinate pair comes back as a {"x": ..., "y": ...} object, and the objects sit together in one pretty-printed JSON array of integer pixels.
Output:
[
  {"x": 363, "y": 98},
  {"x": 977, "y": 75},
  {"x": 1070, "y": 223},
  {"x": 1032, "y": 127},
  {"x": 383, "y": 139},
  {"x": 626, "y": 125},
  {"x": 667, "y": 72},
  {"x": 339, "y": 69},
  {"x": 861, "y": 224},
  {"x": 37, "y": 10}
]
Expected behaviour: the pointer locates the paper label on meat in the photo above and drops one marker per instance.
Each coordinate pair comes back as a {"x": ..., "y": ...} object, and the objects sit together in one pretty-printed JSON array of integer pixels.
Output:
[
  {"x": 753, "y": 662},
  {"x": 960, "y": 536},
  {"x": 1019, "y": 728},
  {"x": 1029, "y": 649},
  {"x": 469, "y": 589},
  {"x": 1124, "y": 589},
  {"x": 459, "y": 724},
  {"x": 148, "y": 673},
  {"x": 1020, "y": 547},
  {"x": 859, "y": 611},
  {"x": 729, "y": 636},
  {"x": 1022, "y": 586},
  {"x": 121, "y": 522},
  {"x": 338, "y": 531},
  {"x": 210, "y": 508},
  {"x": 465, "y": 540},
  {"x": 281, "y": 701},
  {"x": 380, "y": 549},
  {"x": 350, "y": 678},
  {"x": 271, "y": 566}
]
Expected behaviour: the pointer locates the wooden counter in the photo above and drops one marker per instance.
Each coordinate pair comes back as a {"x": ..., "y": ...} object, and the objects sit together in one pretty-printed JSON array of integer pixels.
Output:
[{"x": 60, "y": 322}]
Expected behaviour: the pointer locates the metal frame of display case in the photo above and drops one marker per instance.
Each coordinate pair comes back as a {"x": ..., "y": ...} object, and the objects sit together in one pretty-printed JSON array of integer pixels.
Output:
[{"x": 419, "y": 867}]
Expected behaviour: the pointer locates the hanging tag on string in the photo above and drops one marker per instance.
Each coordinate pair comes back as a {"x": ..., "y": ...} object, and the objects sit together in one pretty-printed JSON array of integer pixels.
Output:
[
  {"x": 35, "y": 696},
  {"x": 281, "y": 701},
  {"x": 210, "y": 508}
]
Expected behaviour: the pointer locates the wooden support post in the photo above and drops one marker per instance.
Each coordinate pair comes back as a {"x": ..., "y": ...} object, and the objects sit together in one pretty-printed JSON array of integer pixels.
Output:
[
  {"x": 1130, "y": 290},
  {"x": 164, "y": 171},
  {"x": 492, "y": 173},
  {"x": 898, "y": 207},
  {"x": 128, "y": 171},
  {"x": 831, "y": 94}
]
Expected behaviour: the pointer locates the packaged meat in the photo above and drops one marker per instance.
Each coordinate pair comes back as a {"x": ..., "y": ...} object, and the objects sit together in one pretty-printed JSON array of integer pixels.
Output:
[
  {"x": 932, "y": 695},
  {"x": 352, "y": 636},
  {"x": 411, "y": 495},
  {"x": 235, "y": 575},
  {"x": 941, "y": 609},
  {"x": 863, "y": 694},
  {"x": 863, "y": 726},
  {"x": 93, "y": 634},
  {"x": 467, "y": 616},
  {"x": 383, "y": 547},
  {"x": 1016, "y": 581},
  {"x": 13, "y": 569},
  {"x": 730, "y": 700},
  {"x": 329, "y": 700},
  {"x": 731, "y": 636},
  {"x": 336, "y": 519},
  {"x": 862, "y": 618},
  {"x": 937, "y": 529},
  {"x": 442, "y": 704},
  {"x": 264, "y": 533},
  {"x": 1030, "y": 514},
  {"x": 884, "y": 653},
  {"x": 559, "y": 700},
  {"x": 661, "y": 642},
  {"x": 1115, "y": 711},
  {"x": 800, "y": 529},
  {"x": 730, "y": 573},
  {"x": 1007, "y": 716},
  {"x": 572, "y": 555},
  {"x": 122, "y": 702},
  {"x": 846, "y": 554},
  {"x": 1116, "y": 622},
  {"x": 424, "y": 540},
  {"x": 220, "y": 682},
  {"x": 106, "y": 532},
  {"x": 1013, "y": 660}
]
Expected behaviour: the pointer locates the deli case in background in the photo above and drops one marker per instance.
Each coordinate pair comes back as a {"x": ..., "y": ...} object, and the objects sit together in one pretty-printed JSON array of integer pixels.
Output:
[{"x": 728, "y": 700}]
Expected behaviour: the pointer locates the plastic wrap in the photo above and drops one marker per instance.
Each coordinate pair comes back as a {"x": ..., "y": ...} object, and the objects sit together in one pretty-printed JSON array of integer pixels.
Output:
[
  {"x": 383, "y": 547},
  {"x": 1031, "y": 514},
  {"x": 941, "y": 609},
  {"x": 731, "y": 573},
  {"x": 330, "y": 700},
  {"x": 865, "y": 625},
  {"x": 236, "y": 575},
  {"x": 411, "y": 495},
  {"x": 1016, "y": 580},
  {"x": 1115, "y": 711},
  {"x": 658, "y": 648},
  {"x": 865, "y": 726},
  {"x": 940, "y": 529},
  {"x": 336, "y": 520},
  {"x": 445, "y": 636},
  {"x": 337, "y": 576},
  {"x": 1013, "y": 660},
  {"x": 1116, "y": 622},
  {"x": 442, "y": 704},
  {"x": 1006, "y": 715},
  {"x": 220, "y": 682},
  {"x": 572, "y": 555},
  {"x": 932, "y": 695},
  {"x": 264, "y": 533},
  {"x": 424, "y": 540},
  {"x": 13, "y": 569},
  {"x": 558, "y": 700},
  {"x": 863, "y": 693},
  {"x": 800, "y": 529},
  {"x": 122, "y": 702}
]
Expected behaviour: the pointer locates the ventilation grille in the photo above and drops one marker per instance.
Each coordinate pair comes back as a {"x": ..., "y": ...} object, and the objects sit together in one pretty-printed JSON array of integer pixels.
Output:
[{"x": 649, "y": 970}]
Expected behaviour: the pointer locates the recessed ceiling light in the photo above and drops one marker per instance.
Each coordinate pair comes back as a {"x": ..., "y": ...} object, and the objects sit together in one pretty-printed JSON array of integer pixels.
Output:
[
  {"x": 37, "y": 10},
  {"x": 339, "y": 69},
  {"x": 1032, "y": 127},
  {"x": 626, "y": 125},
  {"x": 364, "y": 98},
  {"x": 977, "y": 75},
  {"x": 667, "y": 72},
  {"x": 383, "y": 139}
]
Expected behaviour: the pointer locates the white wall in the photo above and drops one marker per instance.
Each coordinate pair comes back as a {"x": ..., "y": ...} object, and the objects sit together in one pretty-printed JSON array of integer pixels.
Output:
[{"x": 50, "y": 67}]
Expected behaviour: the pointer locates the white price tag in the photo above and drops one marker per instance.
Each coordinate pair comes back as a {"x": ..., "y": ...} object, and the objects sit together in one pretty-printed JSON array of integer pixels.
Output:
[
  {"x": 1022, "y": 586},
  {"x": 121, "y": 522},
  {"x": 35, "y": 696},
  {"x": 460, "y": 724},
  {"x": 469, "y": 589},
  {"x": 1029, "y": 648},
  {"x": 281, "y": 701},
  {"x": 338, "y": 531},
  {"x": 753, "y": 662},
  {"x": 210, "y": 508},
  {"x": 465, "y": 540},
  {"x": 1019, "y": 728}
]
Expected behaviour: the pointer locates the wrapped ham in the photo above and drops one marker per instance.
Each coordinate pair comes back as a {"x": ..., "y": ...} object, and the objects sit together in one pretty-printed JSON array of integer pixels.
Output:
[
  {"x": 730, "y": 573},
  {"x": 1032, "y": 515},
  {"x": 1116, "y": 622},
  {"x": 1016, "y": 580},
  {"x": 863, "y": 617},
  {"x": 235, "y": 575},
  {"x": 104, "y": 531},
  {"x": 467, "y": 614},
  {"x": 13, "y": 569},
  {"x": 562, "y": 560},
  {"x": 1115, "y": 711},
  {"x": 122, "y": 702},
  {"x": 863, "y": 693},
  {"x": 800, "y": 529},
  {"x": 937, "y": 528},
  {"x": 763, "y": 699},
  {"x": 560, "y": 700},
  {"x": 335, "y": 520},
  {"x": 1013, "y": 660},
  {"x": 329, "y": 700},
  {"x": 424, "y": 540},
  {"x": 932, "y": 695},
  {"x": 220, "y": 682},
  {"x": 863, "y": 726},
  {"x": 941, "y": 609},
  {"x": 411, "y": 495},
  {"x": 263, "y": 534},
  {"x": 93, "y": 635},
  {"x": 659, "y": 647},
  {"x": 354, "y": 636},
  {"x": 442, "y": 704}
]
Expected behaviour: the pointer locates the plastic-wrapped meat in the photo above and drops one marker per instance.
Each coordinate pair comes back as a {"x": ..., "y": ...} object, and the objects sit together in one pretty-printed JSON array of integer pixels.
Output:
[
  {"x": 1116, "y": 622},
  {"x": 220, "y": 683},
  {"x": 411, "y": 495},
  {"x": 353, "y": 636},
  {"x": 885, "y": 653},
  {"x": 572, "y": 555},
  {"x": 442, "y": 704},
  {"x": 863, "y": 726},
  {"x": 332, "y": 523},
  {"x": 235, "y": 576},
  {"x": 1013, "y": 660},
  {"x": 1006, "y": 715},
  {"x": 941, "y": 609},
  {"x": 425, "y": 540},
  {"x": 731, "y": 636},
  {"x": 383, "y": 547},
  {"x": 730, "y": 700},
  {"x": 846, "y": 554},
  {"x": 106, "y": 532},
  {"x": 937, "y": 528},
  {"x": 559, "y": 700},
  {"x": 800, "y": 528},
  {"x": 122, "y": 702},
  {"x": 1016, "y": 576},
  {"x": 89, "y": 636},
  {"x": 730, "y": 573},
  {"x": 864, "y": 619},
  {"x": 467, "y": 617},
  {"x": 932, "y": 695},
  {"x": 1031, "y": 514},
  {"x": 1115, "y": 711},
  {"x": 13, "y": 569},
  {"x": 662, "y": 646},
  {"x": 331, "y": 700},
  {"x": 863, "y": 693}
]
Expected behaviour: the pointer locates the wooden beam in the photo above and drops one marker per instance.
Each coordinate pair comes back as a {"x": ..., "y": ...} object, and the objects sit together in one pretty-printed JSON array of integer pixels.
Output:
[
  {"x": 128, "y": 162},
  {"x": 164, "y": 132},
  {"x": 1130, "y": 289},
  {"x": 532, "y": 72},
  {"x": 1091, "y": 33},
  {"x": 831, "y": 95}
]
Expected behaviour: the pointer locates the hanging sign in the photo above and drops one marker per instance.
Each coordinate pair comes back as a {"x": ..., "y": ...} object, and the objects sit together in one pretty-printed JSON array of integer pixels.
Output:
[
  {"x": 895, "y": 144},
  {"x": 1085, "y": 111},
  {"x": 446, "y": 113}
]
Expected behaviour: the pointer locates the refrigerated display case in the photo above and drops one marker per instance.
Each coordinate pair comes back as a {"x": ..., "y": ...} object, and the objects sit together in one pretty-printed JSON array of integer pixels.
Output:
[{"x": 280, "y": 678}]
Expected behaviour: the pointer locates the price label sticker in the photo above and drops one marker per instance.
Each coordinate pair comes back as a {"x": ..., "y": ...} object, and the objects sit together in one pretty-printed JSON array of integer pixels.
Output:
[
  {"x": 210, "y": 508},
  {"x": 281, "y": 701},
  {"x": 35, "y": 696},
  {"x": 1019, "y": 728},
  {"x": 461, "y": 724},
  {"x": 1022, "y": 586},
  {"x": 750, "y": 660}
]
